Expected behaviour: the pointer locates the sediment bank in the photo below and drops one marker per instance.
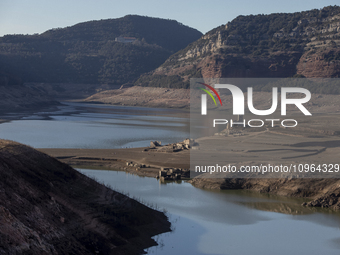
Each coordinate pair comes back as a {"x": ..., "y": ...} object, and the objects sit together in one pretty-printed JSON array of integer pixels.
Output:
[
  {"x": 144, "y": 161},
  {"x": 149, "y": 161}
]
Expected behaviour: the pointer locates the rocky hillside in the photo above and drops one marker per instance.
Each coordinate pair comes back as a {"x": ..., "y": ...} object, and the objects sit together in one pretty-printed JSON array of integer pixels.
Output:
[
  {"x": 303, "y": 44},
  {"x": 89, "y": 53},
  {"x": 46, "y": 207}
]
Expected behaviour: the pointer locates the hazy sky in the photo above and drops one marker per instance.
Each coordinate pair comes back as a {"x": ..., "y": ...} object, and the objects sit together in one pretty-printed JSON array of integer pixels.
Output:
[{"x": 37, "y": 16}]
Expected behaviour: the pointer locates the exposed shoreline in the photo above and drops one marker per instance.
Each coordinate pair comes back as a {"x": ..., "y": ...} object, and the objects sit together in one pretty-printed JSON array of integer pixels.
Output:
[
  {"x": 325, "y": 193},
  {"x": 117, "y": 159},
  {"x": 143, "y": 97},
  {"x": 321, "y": 192}
]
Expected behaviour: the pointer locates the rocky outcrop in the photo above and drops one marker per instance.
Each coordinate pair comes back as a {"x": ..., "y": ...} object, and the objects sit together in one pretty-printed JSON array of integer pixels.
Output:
[
  {"x": 46, "y": 207},
  {"x": 323, "y": 62},
  {"x": 155, "y": 144},
  {"x": 172, "y": 174},
  {"x": 323, "y": 193},
  {"x": 330, "y": 199},
  {"x": 275, "y": 45},
  {"x": 172, "y": 147}
]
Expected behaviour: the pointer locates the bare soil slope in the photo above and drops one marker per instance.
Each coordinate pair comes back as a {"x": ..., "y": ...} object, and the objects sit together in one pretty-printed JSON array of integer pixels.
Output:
[
  {"x": 47, "y": 207},
  {"x": 144, "y": 96}
]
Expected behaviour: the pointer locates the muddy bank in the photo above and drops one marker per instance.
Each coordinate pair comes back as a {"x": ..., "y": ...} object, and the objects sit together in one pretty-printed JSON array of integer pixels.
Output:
[
  {"x": 265, "y": 145},
  {"x": 143, "y": 96},
  {"x": 47, "y": 207},
  {"x": 34, "y": 96},
  {"x": 180, "y": 98},
  {"x": 322, "y": 192},
  {"x": 146, "y": 161}
]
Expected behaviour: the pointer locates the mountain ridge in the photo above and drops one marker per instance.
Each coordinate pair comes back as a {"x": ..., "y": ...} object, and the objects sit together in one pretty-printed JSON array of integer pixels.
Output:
[
  {"x": 303, "y": 44},
  {"x": 88, "y": 52}
]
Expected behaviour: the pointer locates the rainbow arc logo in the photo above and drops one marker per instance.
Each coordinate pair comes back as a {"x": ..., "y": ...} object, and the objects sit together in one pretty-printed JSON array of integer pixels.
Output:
[
  {"x": 209, "y": 93},
  {"x": 204, "y": 97}
]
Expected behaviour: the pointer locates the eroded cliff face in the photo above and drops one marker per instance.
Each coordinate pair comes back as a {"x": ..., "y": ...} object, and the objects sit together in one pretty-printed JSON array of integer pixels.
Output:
[
  {"x": 277, "y": 65},
  {"x": 276, "y": 45},
  {"x": 46, "y": 207},
  {"x": 322, "y": 62}
]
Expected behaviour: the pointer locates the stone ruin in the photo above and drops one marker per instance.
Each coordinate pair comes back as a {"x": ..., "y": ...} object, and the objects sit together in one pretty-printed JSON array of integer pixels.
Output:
[
  {"x": 172, "y": 174},
  {"x": 172, "y": 147}
]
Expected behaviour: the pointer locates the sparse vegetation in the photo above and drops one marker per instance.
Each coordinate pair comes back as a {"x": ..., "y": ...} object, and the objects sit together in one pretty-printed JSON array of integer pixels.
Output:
[
  {"x": 45, "y": 203},
  {"x": 88, "y": 53},
  {"x": 260, "y": 46}
]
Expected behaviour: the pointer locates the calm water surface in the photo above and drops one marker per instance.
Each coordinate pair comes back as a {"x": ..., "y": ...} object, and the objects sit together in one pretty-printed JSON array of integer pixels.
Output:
[
  {"x": 95, "y": 126},
  {"x": 234, "y": 222},
  {"x": 203, "y": 222}
]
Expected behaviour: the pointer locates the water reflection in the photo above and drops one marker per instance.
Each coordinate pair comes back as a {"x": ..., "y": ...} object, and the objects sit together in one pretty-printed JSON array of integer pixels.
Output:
[
  {"x": 230, "y": 222},
  {"x": 78, "y": 125}
]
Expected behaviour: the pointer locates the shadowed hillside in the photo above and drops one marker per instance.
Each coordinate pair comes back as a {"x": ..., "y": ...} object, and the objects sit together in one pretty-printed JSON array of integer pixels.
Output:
[
  {"x": 46, "y": 207},
  {"x": 89, "y": 53}
]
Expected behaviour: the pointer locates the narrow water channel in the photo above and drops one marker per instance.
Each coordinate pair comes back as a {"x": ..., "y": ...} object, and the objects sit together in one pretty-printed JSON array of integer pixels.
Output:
[
  {"x": 229, "y": 222},
  {"x": 203, "y": 222}
]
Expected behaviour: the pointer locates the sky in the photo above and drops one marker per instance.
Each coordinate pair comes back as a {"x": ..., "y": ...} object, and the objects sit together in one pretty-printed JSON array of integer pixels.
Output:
[{"x": 37, "y": 16}]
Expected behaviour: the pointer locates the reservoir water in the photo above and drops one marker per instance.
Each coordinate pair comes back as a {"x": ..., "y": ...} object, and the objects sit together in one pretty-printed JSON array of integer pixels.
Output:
[
  {"x": 229, "y": 222},
  {"x": 203, "y": 222},
  {"x": 96, "y": 126}
]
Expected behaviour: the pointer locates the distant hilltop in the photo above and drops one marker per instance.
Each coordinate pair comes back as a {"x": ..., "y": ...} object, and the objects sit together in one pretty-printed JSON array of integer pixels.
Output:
[
  {"x": 301, "y": 44},
  {"x": 111, "y": 51}
]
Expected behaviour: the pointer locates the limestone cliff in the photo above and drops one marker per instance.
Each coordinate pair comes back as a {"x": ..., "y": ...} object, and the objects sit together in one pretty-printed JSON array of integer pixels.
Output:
[{"x": 276, "y": 45}]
